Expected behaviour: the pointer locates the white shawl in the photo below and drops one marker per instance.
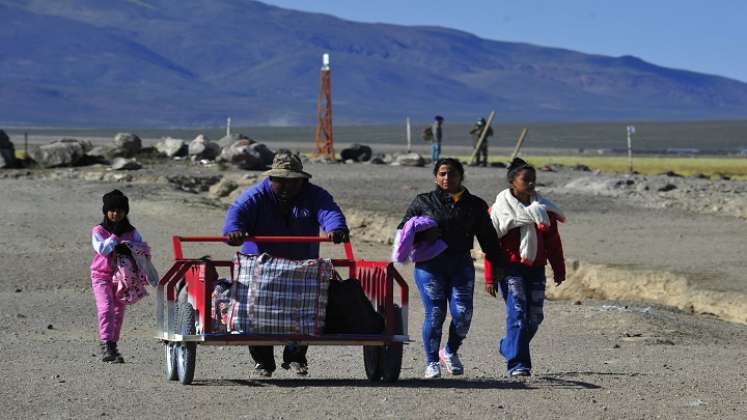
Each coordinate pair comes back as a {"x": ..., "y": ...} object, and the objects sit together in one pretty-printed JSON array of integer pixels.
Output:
[{"x": 508, "y": 213}]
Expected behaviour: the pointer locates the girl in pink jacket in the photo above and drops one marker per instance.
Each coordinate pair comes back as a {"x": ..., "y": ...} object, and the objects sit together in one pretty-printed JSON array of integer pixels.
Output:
[{"x": 107, "y": 240}]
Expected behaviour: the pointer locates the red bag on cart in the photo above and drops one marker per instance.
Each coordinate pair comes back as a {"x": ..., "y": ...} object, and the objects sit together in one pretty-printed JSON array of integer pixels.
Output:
[{"x": 273, "y": 295}]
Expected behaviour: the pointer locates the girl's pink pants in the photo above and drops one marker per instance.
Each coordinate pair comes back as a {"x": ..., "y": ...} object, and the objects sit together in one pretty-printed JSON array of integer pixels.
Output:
[{"x": 110, "y": 311}]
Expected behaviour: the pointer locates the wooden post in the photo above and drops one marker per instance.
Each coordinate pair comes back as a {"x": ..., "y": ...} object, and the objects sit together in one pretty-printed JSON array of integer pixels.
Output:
[
  {"x": 409, "y": 136},
  {"x": 482, "y": 137},
  {"x": 630, "y": 130},
  {"x": 26, "y": 144},
  {"x": 519, "y": 143},
  {"x": 228, "y": 126}
]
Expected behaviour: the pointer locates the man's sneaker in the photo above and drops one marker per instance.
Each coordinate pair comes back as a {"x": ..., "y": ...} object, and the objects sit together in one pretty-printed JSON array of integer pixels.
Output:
[
  {"x": 451, "y": 362},
  {"x": 261, "y": 370},
  {"x": 301, "y": 369},
  {"x": 432, "y": 371},
  {"x": 520, "y": 372}
]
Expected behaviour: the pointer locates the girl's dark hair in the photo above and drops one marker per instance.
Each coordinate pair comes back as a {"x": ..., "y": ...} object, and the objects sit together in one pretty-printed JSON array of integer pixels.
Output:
[
  {"x": 517, "y": 165},
  {"x": 454, "y": 163}
]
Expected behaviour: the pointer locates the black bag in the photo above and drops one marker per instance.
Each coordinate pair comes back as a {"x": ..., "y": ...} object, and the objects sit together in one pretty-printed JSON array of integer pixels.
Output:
[{"x": 349, "y": 311}]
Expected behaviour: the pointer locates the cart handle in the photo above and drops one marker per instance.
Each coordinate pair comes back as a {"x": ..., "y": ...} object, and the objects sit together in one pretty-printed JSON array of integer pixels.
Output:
[{"x": 179, "y": 254}]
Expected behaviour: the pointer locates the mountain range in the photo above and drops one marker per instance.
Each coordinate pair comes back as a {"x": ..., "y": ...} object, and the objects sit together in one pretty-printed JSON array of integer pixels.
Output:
[{"x": 159, "y": 63}]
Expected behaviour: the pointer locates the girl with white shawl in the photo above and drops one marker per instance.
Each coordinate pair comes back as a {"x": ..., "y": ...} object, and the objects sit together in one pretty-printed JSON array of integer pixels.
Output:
[{"x": 527, "y": 227}]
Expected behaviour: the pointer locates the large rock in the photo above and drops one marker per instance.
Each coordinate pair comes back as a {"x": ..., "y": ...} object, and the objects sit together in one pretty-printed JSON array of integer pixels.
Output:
[
  {"x": 263, "y": 152},
  {"x": 7, "y": 151},
  {"x": 232, "y": 138},
  {"x": 409, "y": 159},
  {"x": 105, "y": 152},
  {"x": 356, "y": 152},
  {"x": 247, "y": 155},
  {"x": 202, "y": 148},
  {"x": 65, "y": 152},
  {"x": 222, "y": 188},
  {"x": 171, "y": 147},
  {"x": 128, "y": 143},
  {"x": 122, "y": 164}
]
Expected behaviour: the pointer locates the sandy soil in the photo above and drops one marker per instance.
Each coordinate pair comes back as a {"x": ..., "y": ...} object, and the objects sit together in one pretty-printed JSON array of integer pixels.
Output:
[{"x": 610, "y": 351}]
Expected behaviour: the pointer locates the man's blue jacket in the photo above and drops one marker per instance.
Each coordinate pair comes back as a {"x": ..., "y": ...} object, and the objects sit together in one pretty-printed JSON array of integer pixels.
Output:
[{"x": 255, "y": 212}]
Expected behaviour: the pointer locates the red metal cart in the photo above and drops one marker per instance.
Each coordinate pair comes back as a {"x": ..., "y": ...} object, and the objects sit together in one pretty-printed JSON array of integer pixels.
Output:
[{"x": 183, "y": 311}]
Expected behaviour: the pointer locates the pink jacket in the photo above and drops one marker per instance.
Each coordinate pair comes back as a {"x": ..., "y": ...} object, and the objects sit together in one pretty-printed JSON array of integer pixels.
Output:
[{"x": 103, "y": 243}]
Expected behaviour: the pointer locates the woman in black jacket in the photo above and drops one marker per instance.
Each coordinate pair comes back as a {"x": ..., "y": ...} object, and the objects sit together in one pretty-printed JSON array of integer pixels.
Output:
[{"x": 450, "y": 276}]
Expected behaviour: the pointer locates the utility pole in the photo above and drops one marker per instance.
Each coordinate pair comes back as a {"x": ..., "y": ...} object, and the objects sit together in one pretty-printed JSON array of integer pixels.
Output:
[
  {"x": 323, "y": 136},
  {"x": 409, "y": 136},
  {"x": 631, "y": 131}
]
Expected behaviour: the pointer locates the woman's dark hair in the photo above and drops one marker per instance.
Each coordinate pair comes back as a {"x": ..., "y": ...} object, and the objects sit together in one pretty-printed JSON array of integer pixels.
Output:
[
  {"x": 517, "y": 165},
  {"x": 454, "y": 163}
]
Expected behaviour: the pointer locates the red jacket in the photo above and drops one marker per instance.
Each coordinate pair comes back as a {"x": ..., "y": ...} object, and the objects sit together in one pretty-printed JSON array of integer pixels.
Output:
[{"x": 549, "y": 247}]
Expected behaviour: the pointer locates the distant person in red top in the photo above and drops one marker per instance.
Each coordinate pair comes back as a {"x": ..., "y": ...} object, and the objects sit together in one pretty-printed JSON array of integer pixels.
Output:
[{"x": 527, "y": 227}]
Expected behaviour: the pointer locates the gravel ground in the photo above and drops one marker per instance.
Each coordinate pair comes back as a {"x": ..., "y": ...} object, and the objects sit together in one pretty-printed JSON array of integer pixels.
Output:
[{"x": 594, "y": 358}]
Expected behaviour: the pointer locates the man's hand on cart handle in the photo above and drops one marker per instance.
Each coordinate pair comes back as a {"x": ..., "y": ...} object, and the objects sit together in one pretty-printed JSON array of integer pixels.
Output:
[
  {"x": 236, "y": 238},
  {"x": 340, "y": 236}
]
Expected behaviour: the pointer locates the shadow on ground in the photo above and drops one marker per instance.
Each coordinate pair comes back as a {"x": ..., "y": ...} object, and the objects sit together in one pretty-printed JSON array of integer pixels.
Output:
[{"x": 539, "y": 382}]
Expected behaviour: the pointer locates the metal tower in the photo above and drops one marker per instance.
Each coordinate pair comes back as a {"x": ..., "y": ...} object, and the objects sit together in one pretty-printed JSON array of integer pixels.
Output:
[{"x": 323, "y": 136}]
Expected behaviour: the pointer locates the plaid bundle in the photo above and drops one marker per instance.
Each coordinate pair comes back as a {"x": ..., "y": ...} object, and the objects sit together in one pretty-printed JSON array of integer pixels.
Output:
[{"x": 279, "y": 296}]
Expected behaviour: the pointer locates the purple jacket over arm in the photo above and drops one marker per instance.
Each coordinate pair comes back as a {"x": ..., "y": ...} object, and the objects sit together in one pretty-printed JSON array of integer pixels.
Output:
[{"x": 255, "y": 212}]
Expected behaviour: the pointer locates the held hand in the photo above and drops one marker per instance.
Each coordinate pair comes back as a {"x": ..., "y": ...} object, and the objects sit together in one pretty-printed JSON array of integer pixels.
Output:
[
  {"x": 491, "y": 289},
  {"x": 122, "y": 249},
  {"x": 558, "y": 281},
  {"x": 339, "y": 236},
  {"x": 236, "y": 238}
]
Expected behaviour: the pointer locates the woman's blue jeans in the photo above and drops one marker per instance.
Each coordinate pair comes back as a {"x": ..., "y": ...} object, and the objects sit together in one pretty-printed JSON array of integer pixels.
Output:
[
  {"x": 523, "y": 290},
  {"x": 446, "y": 278}
]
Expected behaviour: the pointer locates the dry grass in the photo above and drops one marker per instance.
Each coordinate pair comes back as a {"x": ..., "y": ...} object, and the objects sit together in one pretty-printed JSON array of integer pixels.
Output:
[{"x": 712, "y": 166}]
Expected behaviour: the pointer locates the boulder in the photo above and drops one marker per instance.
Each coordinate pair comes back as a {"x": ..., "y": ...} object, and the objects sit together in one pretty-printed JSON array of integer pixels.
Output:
[
  {"x": 222, "y": 188},
  {"x": 128, "y": 143},
  {"x": 171, "y": 147},
  {"x": 378, "y": 159},
  {"x": 409, "y": 159},
  {"x": 5, "y": 142},
  {"x": 65, "y": 152},
  {"x": 105, "y": 152},
  {"x": 246, "y": 155},
  {"x": 202, "y": 148},
  {"x": 263, "y": 152},
  {"x": 356, "y": 152},
  {"x": 122, "y": 164},
  {"x": 233, "y": 138},
  {"x": 7, "y": 151}
]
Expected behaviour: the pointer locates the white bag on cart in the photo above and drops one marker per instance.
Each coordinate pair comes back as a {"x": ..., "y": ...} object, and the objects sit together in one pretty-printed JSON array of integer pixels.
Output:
[{"x": 274, "y": 295}]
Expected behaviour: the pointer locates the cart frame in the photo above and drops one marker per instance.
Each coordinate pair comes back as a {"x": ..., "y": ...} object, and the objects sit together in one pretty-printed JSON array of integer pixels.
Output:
[{"x": 377, "y": 280}]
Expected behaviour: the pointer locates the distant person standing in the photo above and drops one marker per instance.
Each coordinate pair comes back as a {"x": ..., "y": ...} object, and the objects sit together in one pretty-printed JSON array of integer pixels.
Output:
[
  {"x": 482, "y": 152},
  {"x": 437, "y": 129}
]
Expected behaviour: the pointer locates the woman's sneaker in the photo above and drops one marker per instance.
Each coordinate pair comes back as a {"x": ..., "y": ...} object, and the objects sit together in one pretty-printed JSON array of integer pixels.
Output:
[
  {"x": 432, "y": 371},
  {"x": 520, "y": 372},
  {"x": 451, "y": 362},
  {"x": 261, "y": 370}
]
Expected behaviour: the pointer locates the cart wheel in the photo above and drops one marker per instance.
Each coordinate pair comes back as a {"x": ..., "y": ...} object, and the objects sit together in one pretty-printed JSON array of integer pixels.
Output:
[
  {"x": 392, "y": 353},
  {"x": 385, "y": 362},
  {"x": 170, "y": 360},
  {"x": 186, "y": 352},
  {"x": 372, "y": 362}
]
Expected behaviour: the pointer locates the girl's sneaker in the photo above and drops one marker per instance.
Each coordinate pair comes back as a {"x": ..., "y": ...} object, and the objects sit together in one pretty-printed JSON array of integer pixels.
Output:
[
  {"x": 451, "y": 362},
  {"x": 432, "y": 371}
]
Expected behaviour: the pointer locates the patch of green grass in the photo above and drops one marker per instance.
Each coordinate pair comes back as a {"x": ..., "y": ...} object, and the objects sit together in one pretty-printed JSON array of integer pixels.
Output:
[{"x": 648, "y": 165}]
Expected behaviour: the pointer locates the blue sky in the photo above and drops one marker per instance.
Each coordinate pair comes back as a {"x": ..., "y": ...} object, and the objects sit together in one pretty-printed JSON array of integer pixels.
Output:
[{"x": 704, "y": 36}]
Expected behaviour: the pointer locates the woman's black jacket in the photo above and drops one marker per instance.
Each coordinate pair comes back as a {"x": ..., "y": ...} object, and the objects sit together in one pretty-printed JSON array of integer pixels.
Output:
[{"x": 459, "y": 222}]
